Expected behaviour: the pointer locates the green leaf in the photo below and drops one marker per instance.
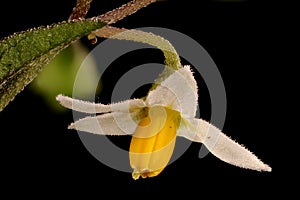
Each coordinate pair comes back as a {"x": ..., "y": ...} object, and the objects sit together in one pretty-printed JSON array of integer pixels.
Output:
[{"x": 23, "y": 55}]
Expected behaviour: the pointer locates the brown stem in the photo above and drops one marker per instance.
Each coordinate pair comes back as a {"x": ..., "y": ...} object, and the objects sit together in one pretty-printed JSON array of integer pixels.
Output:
[
  {"x": 80, "y": 10},
  {"x": 123, "y": 11}
]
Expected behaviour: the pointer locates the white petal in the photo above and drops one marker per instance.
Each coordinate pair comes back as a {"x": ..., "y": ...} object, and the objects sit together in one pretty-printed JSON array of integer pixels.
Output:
[
  {"x": 89, "y": 107},
  {"x": 116, "y": 123},
  {"x": 178, "y": 91},
  {"x": 220, "y": 145}
]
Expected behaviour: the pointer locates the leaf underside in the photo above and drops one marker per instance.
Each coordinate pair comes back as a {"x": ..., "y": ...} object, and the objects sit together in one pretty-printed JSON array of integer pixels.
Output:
[{"x": 23, "y": 55}]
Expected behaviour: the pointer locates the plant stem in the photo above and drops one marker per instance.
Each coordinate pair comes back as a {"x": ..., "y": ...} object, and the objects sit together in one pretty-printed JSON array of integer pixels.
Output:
[
  {"x": 80, "y": 10},
  {"x": 123, "y": 11}
]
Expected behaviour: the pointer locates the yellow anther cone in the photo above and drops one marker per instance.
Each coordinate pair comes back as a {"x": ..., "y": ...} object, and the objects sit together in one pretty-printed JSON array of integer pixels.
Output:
[{"x": 153, "y": 142}]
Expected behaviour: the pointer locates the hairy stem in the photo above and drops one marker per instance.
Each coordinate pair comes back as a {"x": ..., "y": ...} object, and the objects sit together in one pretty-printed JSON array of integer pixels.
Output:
[
  {"x": 80, "y": 10},
  {"x": 172, "y": 59},
  {"x": 123, "y": 11}
]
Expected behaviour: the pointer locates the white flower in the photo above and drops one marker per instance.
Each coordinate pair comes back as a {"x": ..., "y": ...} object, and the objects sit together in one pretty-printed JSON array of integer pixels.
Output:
[{"x": 168, "y": 111}]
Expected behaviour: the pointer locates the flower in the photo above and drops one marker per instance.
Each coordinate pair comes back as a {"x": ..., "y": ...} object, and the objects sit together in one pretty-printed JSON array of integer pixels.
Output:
[{"x": 168, "y": 111}]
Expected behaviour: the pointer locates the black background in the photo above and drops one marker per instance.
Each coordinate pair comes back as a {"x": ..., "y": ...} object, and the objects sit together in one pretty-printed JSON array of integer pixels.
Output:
[{"x": 39, "y": 154}]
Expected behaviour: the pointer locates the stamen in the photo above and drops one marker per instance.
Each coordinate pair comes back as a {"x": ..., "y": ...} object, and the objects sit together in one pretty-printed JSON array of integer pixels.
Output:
[{"x": 153, "y": 142}]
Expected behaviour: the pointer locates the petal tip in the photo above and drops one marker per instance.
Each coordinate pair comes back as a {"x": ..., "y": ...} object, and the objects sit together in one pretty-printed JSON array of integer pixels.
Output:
[
  {"x": 267, "y": 168},
  {"x": 71, "y": 126},
  {"x": 59, "y": 97}
]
